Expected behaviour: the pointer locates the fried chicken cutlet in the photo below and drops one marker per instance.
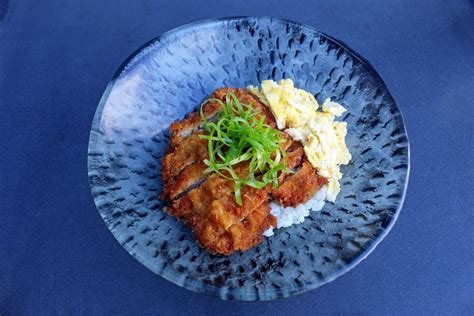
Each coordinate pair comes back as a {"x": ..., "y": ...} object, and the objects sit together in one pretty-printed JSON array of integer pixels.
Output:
[{"x": 206, "y": 201}]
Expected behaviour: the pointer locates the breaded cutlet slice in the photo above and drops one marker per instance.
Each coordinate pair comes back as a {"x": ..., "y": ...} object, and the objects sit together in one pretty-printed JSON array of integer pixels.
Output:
[
  {"x": 299, "y": 187},
  {"x": 217, "y": 220}
]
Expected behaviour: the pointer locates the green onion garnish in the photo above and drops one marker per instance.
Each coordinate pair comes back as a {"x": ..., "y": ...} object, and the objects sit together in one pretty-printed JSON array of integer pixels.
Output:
[{"x": 239, "y": 135}]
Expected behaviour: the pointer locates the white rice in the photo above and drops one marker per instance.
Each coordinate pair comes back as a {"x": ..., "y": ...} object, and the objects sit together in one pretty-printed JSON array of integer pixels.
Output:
[{"x": 287, "y": 216}]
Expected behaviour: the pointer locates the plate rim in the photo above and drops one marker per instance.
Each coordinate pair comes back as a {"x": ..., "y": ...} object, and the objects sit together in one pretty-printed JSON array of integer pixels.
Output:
[{"x": 238, "y": 294}]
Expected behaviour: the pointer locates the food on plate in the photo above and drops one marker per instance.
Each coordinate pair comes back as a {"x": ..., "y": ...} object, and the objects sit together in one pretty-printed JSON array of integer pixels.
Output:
[{"x": 251, "y": 160}]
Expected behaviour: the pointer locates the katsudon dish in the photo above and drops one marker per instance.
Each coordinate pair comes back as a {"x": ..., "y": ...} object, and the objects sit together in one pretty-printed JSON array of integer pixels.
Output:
[{"x": 253, "y": 160}]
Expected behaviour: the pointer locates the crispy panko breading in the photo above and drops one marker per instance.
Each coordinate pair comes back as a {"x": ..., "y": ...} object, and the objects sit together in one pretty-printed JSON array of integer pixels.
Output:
[
  {"x": 216, "y": 219},
  {"x": 298, "y": 187},
  {"x": 206, "y": 202},
  {"x": 191, "y": 150}
]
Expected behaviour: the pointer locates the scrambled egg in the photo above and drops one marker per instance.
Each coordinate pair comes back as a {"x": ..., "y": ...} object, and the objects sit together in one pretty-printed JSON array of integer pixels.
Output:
[{"x": 296, "y": 112}]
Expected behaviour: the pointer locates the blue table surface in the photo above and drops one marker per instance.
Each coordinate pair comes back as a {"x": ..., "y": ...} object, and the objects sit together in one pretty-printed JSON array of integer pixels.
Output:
[{"x": 57, "y": 256}]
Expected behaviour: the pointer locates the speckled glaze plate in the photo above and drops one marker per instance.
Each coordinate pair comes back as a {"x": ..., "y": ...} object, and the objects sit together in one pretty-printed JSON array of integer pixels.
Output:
[{"x": 169, "y": 77}]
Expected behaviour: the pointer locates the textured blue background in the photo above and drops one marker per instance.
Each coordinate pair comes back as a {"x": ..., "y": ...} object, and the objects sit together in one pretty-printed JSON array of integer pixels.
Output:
[{"x": 56, "y": 255}]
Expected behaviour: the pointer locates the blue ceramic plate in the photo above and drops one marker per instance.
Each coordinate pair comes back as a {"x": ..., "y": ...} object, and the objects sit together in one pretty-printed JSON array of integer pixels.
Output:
[{"x": 169, "y": 77}]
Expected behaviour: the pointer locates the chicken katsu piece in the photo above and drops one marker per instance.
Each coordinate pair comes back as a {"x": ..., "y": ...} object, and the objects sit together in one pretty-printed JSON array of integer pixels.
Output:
[
  {"x": 299, "y": 187},
  {"x": 216, "y": 219},
  {"x": 191, "y": 150},
  {"x": 193, "y": 123},
  {"x": 207, "y": 201}
]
